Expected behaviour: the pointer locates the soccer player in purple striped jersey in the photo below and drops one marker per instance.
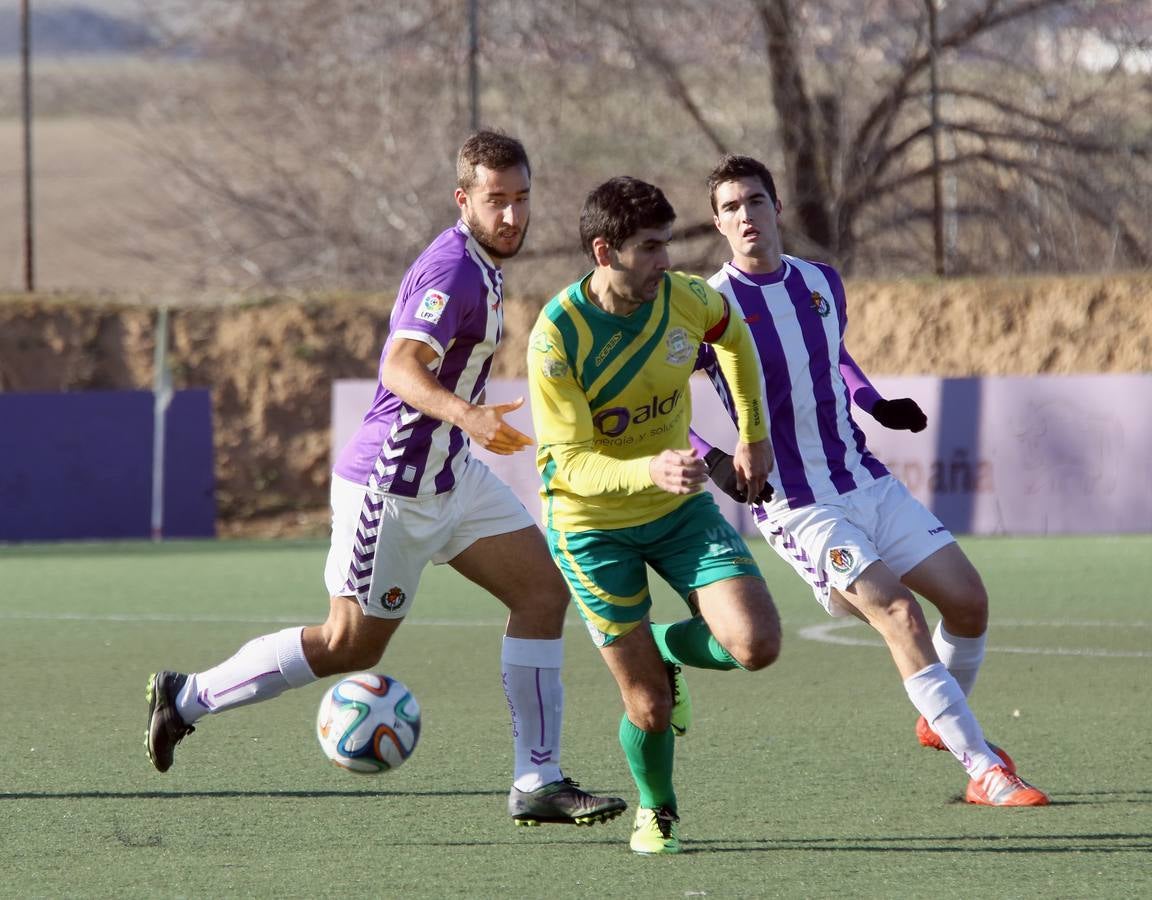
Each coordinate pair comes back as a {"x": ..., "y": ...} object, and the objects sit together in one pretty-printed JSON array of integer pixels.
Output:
[
  {"x": 836, "y": 515},
  {"x": 406, "y": 492}
]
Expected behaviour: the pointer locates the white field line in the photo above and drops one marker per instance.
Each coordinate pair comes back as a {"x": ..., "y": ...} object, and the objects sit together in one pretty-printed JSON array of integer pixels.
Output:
[
  {"x": 216, "y": 619},
  {"x": 826, "y": 633}
]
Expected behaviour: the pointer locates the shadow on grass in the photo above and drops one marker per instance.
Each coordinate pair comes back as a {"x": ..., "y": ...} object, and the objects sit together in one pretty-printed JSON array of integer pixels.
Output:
[
  {"x": 168, "y": 795},
  {"x": 1086, "y": 798},
  {"x": 1137, "y": 842}
]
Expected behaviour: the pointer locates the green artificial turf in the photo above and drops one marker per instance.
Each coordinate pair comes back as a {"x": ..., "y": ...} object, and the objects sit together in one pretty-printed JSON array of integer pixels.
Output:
[{"x": 804, "y": 780}]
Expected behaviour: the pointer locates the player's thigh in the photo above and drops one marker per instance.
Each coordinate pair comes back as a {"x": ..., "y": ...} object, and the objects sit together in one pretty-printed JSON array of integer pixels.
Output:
[
  {"x": 380, "y": 546},
  {"x": 949, "y": 581},
  {"x": 742, "y": 616},
  {"x": 517, "y": 569},
  {"x": 605, "y": 572}
]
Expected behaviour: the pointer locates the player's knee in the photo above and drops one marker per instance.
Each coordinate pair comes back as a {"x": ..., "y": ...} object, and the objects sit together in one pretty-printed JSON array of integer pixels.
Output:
[
  {"x": 761, "y": 653},
  {"x": 649, "y": 710},
  {"x": 965, "y": 610},
  {"x": 970, "y": 618},
  {"x": 347, "y": 650}
]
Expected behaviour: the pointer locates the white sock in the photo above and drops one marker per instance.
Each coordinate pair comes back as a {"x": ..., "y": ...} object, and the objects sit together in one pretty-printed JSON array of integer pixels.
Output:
[
  {"x": 961, "y": 656},
  {"x": 939, "y": 699},
  {"x": 530, "y": 670},
  {"x": 263, "y": 668}
]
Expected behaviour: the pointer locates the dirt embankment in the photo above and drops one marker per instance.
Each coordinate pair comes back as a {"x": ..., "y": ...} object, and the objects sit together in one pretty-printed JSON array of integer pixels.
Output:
[{"x": 270, "y": 364}]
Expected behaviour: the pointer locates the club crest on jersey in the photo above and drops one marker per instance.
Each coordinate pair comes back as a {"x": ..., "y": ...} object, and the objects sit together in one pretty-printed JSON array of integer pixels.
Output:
[
  {"x": 697, "y": 288},
  {"x": 393, "y": 597},
  {"x": 820, "y": 305},
  {"x": 841, "y": 559},
  {"x": 680, "y": 349},
  {"x": 432, "y": 306}
]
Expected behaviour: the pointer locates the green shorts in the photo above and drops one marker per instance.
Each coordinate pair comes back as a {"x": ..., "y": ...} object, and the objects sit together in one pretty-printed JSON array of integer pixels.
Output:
[{"x": 689, "y": 548}]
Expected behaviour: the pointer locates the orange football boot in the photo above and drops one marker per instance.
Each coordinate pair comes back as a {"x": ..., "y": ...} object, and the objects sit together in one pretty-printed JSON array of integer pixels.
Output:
[{"x": 999, "y": 787}]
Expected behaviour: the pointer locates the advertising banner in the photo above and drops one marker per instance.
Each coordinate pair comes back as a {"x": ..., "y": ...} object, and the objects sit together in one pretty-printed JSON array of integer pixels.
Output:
[{"x": 1027, "y": 455}]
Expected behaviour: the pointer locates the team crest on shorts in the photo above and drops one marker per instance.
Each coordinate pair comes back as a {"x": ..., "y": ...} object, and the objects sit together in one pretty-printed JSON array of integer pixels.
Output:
[
  {"x": 393, "y": 597},
  {"x": 820, "y": 305},
  {"x": 841, "y": 559},
  {"x": 432, "y": 306}
]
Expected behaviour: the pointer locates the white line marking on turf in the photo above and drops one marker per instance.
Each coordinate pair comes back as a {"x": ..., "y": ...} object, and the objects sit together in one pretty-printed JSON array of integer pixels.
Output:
[
  {"x": 825, "y": 633},
  {"x": 210, "y": 619}
]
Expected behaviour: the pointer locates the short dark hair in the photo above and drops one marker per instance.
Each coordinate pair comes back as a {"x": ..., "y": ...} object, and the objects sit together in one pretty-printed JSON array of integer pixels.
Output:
[
  {"x": 491, "y": 149},
  {"x": 619, "y": 208},
  {"x": 732, "y": 167}
]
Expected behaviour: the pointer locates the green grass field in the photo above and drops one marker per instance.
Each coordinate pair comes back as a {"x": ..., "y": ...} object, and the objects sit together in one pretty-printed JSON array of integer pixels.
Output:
[{"x": 804, "y": 780}]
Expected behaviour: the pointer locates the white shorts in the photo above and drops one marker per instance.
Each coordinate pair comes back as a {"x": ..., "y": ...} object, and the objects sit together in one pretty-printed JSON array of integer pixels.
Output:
[
  {"x": 381, "y": 543},
  {"x": 830, "y": 544}
]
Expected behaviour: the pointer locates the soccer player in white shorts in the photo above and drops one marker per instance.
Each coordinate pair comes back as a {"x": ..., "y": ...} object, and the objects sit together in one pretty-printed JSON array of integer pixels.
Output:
[
  {"x": 848, "y": 526},
  {"x": 406, "y": 491}
]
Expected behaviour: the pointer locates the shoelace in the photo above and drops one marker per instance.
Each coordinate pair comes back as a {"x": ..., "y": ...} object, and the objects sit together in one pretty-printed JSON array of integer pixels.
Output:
[
  {"x": 664, "y": 819},
  {"x": 998, "y": 783}
]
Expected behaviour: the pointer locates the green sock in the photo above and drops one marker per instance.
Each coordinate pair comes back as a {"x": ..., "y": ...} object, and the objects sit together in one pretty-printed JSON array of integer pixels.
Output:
[
  {"x": 690, "y": 643},
  {"x": 650, "y": 759}
]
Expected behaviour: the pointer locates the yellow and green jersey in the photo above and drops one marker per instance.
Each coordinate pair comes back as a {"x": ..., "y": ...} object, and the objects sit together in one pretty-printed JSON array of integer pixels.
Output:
[{"x": 611, "y": 392}]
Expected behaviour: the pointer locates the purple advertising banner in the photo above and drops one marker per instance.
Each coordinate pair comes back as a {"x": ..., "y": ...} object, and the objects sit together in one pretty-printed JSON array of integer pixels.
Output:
[
  {"x": 1036, "y": 455},
  {"x": 78, "y": 466}
]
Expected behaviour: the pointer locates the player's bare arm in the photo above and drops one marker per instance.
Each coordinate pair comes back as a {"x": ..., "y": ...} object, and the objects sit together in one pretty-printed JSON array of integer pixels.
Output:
[
  {"x": 678, "y": 471},
  {"x": 406, "y": 374},
  {"x": 752, "y": 462}
]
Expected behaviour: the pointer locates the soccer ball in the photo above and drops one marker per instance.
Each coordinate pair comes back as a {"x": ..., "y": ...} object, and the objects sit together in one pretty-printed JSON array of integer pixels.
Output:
[{"x": 368, "y": 723}]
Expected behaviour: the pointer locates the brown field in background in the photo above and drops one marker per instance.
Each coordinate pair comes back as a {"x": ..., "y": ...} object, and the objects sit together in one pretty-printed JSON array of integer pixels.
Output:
[{"x": 95, "y": 197}]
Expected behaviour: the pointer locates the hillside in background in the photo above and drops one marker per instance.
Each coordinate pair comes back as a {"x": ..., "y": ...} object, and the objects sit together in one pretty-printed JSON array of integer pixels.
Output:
[
  {"x": 270, "y": 363},
  {"x": 74, "y": 30}
]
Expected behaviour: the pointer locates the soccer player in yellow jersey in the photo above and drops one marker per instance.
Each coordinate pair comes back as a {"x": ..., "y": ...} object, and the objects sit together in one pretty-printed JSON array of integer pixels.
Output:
[{"x": 608, "y": 367}]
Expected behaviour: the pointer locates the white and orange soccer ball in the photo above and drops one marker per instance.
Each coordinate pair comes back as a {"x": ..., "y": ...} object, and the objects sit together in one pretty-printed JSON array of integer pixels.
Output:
[{"x": 368, "y": 723}]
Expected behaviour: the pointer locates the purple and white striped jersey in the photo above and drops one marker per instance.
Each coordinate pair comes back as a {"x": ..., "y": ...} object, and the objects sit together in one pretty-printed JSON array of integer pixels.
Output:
[
  {"x": 451, "y": 298},
  {"x": 797, "y": 317}
]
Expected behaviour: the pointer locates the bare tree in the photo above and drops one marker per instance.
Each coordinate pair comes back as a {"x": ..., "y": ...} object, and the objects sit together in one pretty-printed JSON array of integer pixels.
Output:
[
  {"x": 302, "y": 156},
  {"x": 1036, "y": 137},
  {"x": 317, "y": 149}
]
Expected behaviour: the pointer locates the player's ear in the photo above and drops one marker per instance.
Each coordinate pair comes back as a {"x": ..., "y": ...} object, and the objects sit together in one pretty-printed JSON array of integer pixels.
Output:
[
  {"x": 716, "y": 222},
  {"x": 601, "y": 251},
  {"x": 461, "y": 196}
]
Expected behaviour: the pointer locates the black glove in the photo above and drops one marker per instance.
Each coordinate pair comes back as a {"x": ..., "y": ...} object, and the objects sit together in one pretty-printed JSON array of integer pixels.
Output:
[
  {"x": 723, "y": 475},
  {"x": 901, "y": 415}
]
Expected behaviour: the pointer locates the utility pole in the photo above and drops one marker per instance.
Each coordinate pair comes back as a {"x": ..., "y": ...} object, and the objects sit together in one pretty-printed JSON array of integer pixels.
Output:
[
  {"x": 474, "y": 64},
  {"x": 26, "y": 117},
  {"x": 934, "y": 117}
]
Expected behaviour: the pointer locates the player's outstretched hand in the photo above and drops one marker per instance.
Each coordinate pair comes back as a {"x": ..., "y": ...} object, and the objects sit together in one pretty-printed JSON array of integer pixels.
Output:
[
  {"x": 486, "y": 426},
  {"x": 723, "y": 475},
  {"x": 904, "y": 414},
  {"x": 678, "y": 471}
]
